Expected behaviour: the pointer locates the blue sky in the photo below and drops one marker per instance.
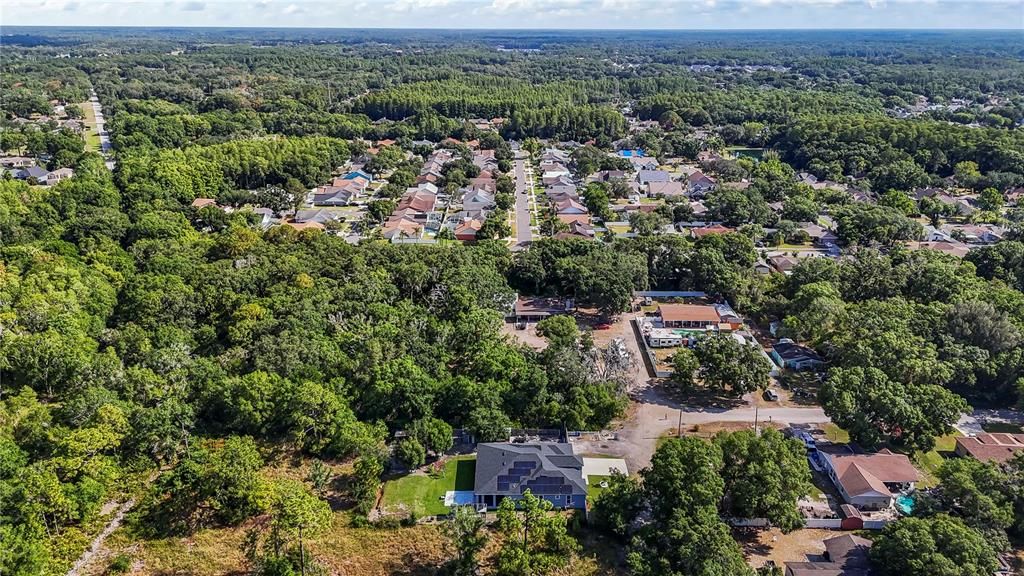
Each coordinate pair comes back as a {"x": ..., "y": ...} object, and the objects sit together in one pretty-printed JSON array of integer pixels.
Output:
[{"x": 583, "y": 14}]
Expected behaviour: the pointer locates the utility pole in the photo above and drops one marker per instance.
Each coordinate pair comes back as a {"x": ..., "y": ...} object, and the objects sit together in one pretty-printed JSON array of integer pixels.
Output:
[
  {"x": 679, "y": 426},
  {"x": 755, "y": 420}
]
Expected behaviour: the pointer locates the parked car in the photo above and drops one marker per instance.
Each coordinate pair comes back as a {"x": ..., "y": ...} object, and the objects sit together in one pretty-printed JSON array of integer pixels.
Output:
[{"x": 772, "y": 395}]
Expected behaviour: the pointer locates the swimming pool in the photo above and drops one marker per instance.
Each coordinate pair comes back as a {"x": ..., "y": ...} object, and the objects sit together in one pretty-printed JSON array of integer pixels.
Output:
[{"x": 905, "y": 504}]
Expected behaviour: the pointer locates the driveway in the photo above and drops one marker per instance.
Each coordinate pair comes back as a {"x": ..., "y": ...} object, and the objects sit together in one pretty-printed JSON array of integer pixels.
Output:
[
  {"x": 971, "y": 424},
  {"x": 653, "y": 414},
  {"x": 524, "y": 193}
]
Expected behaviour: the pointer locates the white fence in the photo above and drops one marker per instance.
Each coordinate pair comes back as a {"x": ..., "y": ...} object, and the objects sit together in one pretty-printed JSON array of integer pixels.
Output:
[
  {"x": 827, "y": 523},
  {"x": 823, "y": 523}
]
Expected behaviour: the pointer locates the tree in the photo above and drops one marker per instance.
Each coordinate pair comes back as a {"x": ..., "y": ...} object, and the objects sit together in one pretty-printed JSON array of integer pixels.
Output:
[
  {"x": 731, "y": 366},
  {"x": 764, "y": 476},
  {"x": 929, "y": 546},
  {"x": 684, "y": 368},
  {"x": 900, "y": 201},
  {"x": 646, "y": 223},
  {"x": 874, "y": 409},
  {"x": 410, "y": 453},
  {"x": 618, "y": 505},
  {"x": 379, "y": 210},
  {"x": 991, "y": 200},
  {"x": 496, "y": 226},
  {"x": 903, "y": 175},
  {"x": 935, "y": 210},
  {"x": 980, "y": 494},
  {"x": 800, "y": 209},
  {"x": 365, "y": 482},
  {"x": 433, "y": 434},
  {"x": 278, "y": 547},
  {"x": 535, "y": 543},
  {"x": 596, "y": 200},
  {"x": 686, "y": 534},
  {"x": 560, "y": 331},
  {"x": 319, "y": 476},
  {"x": 465, "y": 533}
]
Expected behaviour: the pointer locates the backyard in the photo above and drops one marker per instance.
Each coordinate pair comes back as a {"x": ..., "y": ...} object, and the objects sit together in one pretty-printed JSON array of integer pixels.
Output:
[{"x": 423, "y": 492}]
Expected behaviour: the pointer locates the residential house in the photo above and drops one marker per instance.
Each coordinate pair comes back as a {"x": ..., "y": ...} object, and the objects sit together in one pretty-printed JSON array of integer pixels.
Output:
[
  {"x": 554, "y": 179},
  {"x": 645, "y": 177},
  {"x": 418, "y": 199},
  {"x": 643, "y": 163},
  {"x": 667, "y": 189},
  {"x": 870, "y": 481},
  {"x": 200, "y": 203},
  {"x": 475, "y": 199},
  {"x": 332, "y": 196},
  {"x": 549, "y": 470},
  {"x": 578, "y": 228},
  {"x": 537, "y": 309},
  {"x": 792, "y": 356},
  {"x": 561, "y": 189},
  {"x": 554, "y": 156},
  {"x": 570, "y": 206},
  {"x": 467, "y": 229},
  {"x": 821, "y": 236},
  {"x": 974, "y": 233},
  {"x": 688, "y": 316},
  {"x": 699, "y": 183},
  {"x": 58, "y": 175},
  {"x": 318, "y": 216},
  {"x": 401, "y": 227},
  {"x": 997, "y": 448},
  {"x": 32, "y": 172},
  {"x": 607, "y": 176},
  {"x": 17, "y": 162},
  {"x": 846, "y": 555},
  {"x": 709, "y": 230},
  {"x": 951, "y": 247}
]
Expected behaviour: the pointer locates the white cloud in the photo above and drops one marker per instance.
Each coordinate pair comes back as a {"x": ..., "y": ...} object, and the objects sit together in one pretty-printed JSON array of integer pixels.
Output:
[
  {"x": 193, "y": 6},
  {"x": 293, "y": 9}
]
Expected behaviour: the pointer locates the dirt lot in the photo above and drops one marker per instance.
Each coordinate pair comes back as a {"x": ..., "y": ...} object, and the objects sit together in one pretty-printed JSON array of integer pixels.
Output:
[{"x": 761, "y": 545}]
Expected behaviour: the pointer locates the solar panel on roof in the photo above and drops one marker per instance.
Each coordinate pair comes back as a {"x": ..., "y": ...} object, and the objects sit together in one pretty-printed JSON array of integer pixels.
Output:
[
  {"x": 524, "y": 464},
  {"x": 503, "y": 487}
]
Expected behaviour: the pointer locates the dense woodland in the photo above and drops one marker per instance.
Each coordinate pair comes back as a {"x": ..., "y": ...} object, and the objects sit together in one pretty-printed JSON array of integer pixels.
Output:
[{"x": 148, "y": 349}]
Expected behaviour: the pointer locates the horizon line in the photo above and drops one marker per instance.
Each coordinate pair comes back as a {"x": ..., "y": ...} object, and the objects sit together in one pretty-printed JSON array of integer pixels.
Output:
[{"x": 510, "y": 29}]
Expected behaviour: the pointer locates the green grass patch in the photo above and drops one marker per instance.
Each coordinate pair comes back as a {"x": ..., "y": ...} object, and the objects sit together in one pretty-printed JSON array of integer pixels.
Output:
[
  {"x": 618, "y": 229},
  {"x": 594, "y": 486},
  {"x": 836, "y": 434},
  {"x": 928, "y": 463},
  {"x": 1002, "y": 428},
  {"x": 424, "y": 494}
]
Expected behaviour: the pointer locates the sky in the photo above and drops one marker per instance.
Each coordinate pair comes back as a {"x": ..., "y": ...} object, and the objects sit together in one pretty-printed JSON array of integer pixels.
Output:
[{"x": 548, "y": 14}]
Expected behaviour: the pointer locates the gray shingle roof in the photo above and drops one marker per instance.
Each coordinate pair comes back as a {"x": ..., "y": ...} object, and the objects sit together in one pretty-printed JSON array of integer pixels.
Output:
[{"x": 544, "y": 467}]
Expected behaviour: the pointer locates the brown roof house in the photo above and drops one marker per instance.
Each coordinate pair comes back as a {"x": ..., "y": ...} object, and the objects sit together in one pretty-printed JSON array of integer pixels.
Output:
[
  {"x": 689, "y": 315},
  {"x": 990, "y": 447},
  {"x": 845, "y": 555},
  {"x": 871, "y": 481}
]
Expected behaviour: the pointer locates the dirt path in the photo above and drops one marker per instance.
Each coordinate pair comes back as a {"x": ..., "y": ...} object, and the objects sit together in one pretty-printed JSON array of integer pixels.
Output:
[{"x": 97, "y": 542}]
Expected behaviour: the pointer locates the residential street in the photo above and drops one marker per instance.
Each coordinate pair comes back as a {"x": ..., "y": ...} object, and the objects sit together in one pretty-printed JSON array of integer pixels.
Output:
[{"x": 523, "y": 195}]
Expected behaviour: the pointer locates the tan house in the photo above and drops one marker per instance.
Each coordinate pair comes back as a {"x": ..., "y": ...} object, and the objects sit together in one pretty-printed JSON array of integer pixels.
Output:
[{"x": 688, "y": 315}]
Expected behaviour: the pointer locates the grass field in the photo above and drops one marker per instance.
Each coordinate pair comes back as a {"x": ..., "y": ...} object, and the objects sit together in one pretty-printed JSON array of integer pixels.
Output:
[
  {"x": 424, "y": 494},
  {"x": 91, "y": 136},
  {"x": 929, "y": 462},
  {"x": 835, "y": 433},
  {"x": 594, "y": 487}
]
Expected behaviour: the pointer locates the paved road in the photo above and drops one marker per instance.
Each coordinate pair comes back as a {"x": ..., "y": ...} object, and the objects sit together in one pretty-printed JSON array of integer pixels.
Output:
[
  {"x": 523, "y": 233},
  {"x": 105, "y": 146},
  {"x": 972, "y": 423}
]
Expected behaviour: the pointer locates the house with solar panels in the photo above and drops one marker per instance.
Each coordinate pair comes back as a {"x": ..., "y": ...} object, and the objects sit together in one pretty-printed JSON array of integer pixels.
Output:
[{"x": 550, "y": 470}]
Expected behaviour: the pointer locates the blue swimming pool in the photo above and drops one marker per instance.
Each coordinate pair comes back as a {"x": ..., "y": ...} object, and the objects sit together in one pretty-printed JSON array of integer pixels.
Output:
[{"x": 905, "y": 504}]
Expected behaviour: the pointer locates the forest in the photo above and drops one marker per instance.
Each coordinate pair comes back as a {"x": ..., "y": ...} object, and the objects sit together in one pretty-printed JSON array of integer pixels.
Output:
[{"x": 151, "y": 350}]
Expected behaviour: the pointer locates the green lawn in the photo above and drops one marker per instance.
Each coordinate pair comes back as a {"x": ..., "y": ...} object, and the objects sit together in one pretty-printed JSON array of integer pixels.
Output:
[
  {"x": 929, "y": 462},
  {"x": 836, "y": 434},
  {"x": 594, "y": 487},
  {"x": 424, "y": 494}
]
